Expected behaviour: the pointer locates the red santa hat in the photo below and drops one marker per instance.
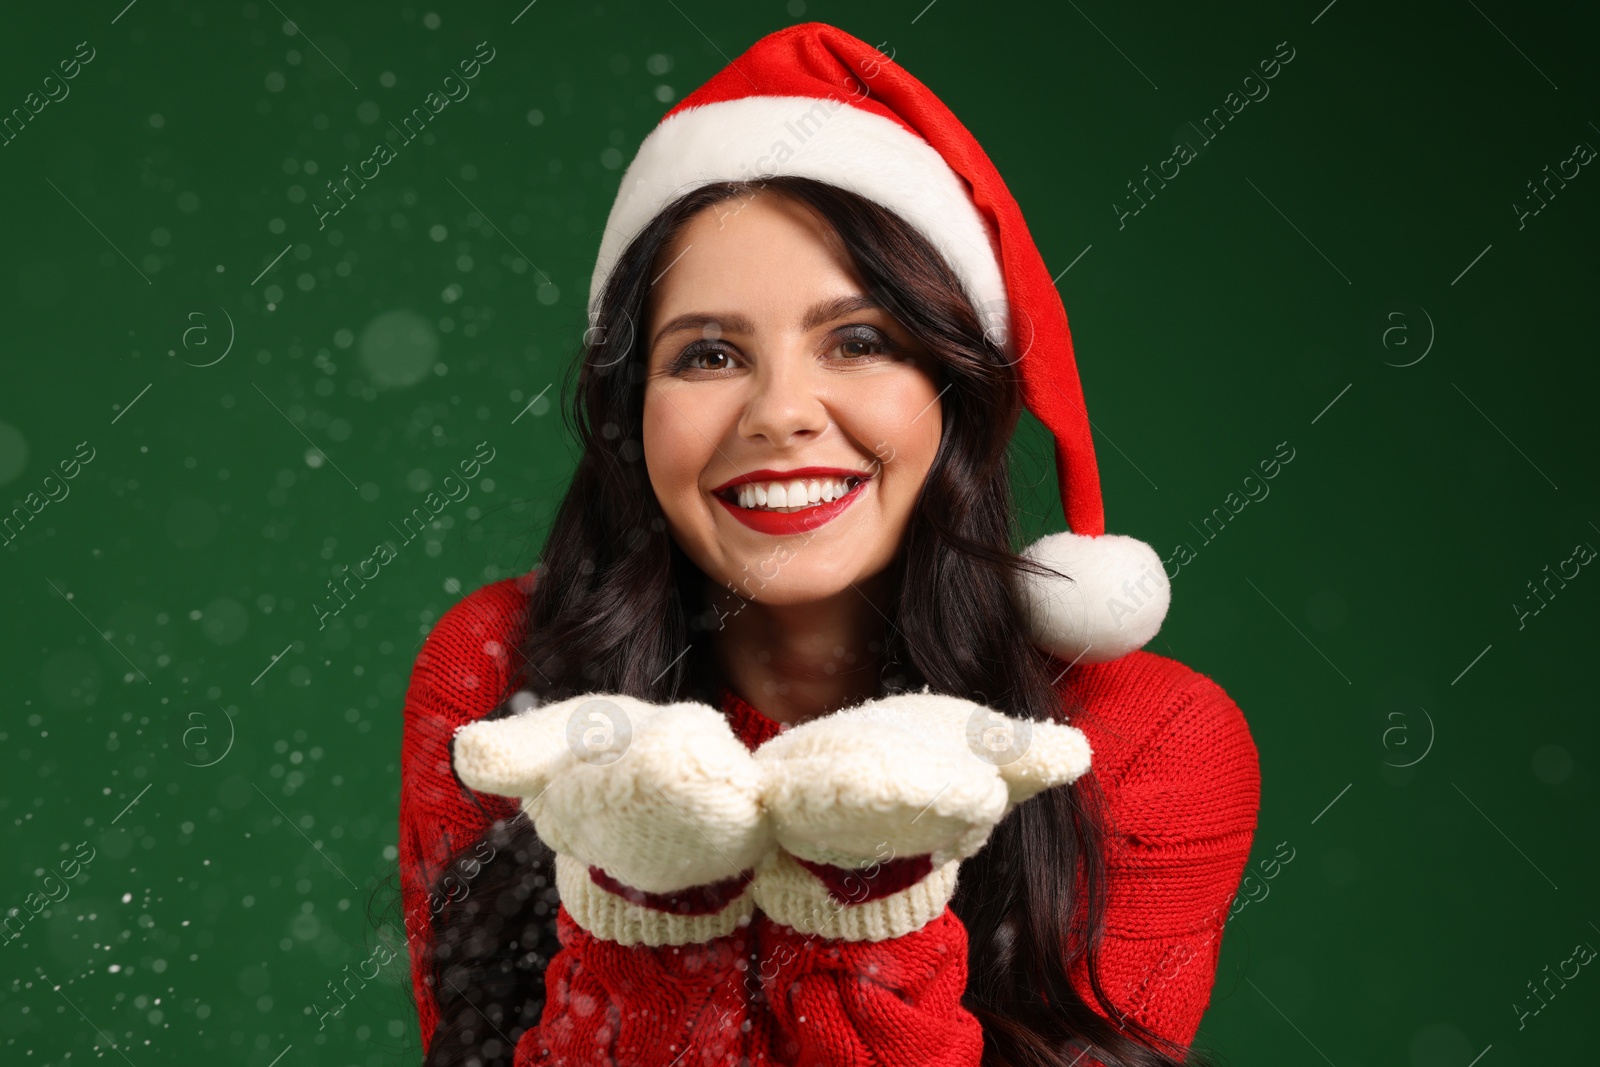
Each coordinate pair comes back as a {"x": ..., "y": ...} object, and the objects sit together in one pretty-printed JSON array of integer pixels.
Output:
[{"x": 814, "y": 101}]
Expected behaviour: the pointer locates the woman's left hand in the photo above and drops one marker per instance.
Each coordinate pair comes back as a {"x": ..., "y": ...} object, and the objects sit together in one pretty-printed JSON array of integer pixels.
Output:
[
  {"x": 915, "y": 776},
  {"x": 926, "y": 772}
]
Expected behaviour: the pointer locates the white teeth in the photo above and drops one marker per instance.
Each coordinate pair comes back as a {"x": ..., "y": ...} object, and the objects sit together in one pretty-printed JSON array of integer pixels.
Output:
[{"x": 791, "y": 494}]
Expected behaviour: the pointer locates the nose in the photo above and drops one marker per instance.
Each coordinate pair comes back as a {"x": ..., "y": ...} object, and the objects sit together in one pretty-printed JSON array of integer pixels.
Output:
[{"x": 784, "y": 406}]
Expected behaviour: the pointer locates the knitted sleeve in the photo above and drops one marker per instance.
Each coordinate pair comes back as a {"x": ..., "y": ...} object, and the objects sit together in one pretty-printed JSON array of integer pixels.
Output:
[
  {"x": 1184, "y": 814},
  {"x": 461, "y": 674},
  {"x": 609, "y": 1004},
  {"x": 889, "y": 1003},
  {"x": 1182, "y": 787},
  {"x": 605, "y": 1002}
]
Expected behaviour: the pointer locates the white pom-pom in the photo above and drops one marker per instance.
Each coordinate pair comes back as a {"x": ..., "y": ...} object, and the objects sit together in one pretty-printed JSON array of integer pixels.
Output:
[{"x": 1111, "y": 600}]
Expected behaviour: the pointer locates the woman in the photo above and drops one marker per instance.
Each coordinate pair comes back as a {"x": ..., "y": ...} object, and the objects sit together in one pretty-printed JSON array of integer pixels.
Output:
[{"x": 761, "y": 739}]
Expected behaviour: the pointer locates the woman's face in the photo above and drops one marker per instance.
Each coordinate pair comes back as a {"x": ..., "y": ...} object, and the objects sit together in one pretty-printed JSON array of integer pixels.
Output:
[{"x": 771, "y": 373}]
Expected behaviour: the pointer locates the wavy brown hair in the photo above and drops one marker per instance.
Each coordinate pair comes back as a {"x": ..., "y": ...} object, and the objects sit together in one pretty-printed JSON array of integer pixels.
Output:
[{"x": 616, "y": 601}]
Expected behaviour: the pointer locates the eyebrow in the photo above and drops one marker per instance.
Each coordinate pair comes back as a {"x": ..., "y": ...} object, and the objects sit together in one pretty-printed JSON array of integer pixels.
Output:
[{"x": 737, "y": 323}]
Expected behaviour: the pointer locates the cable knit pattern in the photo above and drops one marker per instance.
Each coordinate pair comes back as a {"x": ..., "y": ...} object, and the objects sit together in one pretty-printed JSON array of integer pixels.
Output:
[
  {"x": 894, "y": 1003},
  {"x": 1172, "y": 754}
]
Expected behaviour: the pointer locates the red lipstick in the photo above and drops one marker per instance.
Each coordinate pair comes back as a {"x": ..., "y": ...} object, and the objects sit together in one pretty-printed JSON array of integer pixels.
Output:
[{"x": 780, "y": 523}]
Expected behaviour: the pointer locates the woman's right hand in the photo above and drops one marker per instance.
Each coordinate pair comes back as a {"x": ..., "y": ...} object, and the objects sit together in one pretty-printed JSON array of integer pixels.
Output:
[{"x": 654, "y": 811}]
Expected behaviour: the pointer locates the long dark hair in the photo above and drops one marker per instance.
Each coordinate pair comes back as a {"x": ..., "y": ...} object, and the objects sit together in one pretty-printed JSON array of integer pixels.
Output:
[{"x": 616, "y": 601}]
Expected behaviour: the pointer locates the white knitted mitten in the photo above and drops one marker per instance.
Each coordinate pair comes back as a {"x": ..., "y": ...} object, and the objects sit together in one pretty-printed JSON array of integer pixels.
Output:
[
  {"x": 874, "y": 807},
  {"x": 654, "y": 811}
]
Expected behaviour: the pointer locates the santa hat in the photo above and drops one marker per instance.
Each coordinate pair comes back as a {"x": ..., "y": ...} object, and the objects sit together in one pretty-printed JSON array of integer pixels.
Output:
[{"x": 811, "y": 100}]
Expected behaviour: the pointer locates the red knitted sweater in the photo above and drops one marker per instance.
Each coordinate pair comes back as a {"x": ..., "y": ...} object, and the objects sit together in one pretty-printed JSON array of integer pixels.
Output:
[{"x": 1173, "y": 757}]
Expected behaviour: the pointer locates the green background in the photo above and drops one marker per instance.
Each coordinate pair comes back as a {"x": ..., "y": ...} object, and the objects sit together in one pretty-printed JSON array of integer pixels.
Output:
[{"x": 1341, "y": 270}]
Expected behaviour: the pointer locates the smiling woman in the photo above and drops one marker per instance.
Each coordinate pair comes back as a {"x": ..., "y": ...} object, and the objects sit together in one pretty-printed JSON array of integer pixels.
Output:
[
  {"x": 784, "y": 391},
  {"x": 797, "y": 735}
]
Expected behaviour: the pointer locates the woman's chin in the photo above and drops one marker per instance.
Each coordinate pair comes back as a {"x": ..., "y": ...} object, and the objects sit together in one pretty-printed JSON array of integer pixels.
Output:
[{"x": 790, "y": 584}]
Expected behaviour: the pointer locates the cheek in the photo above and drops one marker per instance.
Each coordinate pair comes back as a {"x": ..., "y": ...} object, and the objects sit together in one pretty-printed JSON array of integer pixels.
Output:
[
  {"x": 676, "y": 450},
  {"x": 900, "y": 422}
]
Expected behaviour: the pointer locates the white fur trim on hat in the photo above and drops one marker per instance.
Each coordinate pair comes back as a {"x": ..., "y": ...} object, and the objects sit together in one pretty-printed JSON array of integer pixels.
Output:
[
  {"x": 1111, "y": 600},
  {"x": 826, "y": 139}
]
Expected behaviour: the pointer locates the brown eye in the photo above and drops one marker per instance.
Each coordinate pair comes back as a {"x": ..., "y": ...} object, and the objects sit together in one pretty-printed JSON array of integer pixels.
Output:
[
  {"x": 863, "y": 343},
  {"x": 697, "y": 360},
  {"x": 702, "y": 359}
]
